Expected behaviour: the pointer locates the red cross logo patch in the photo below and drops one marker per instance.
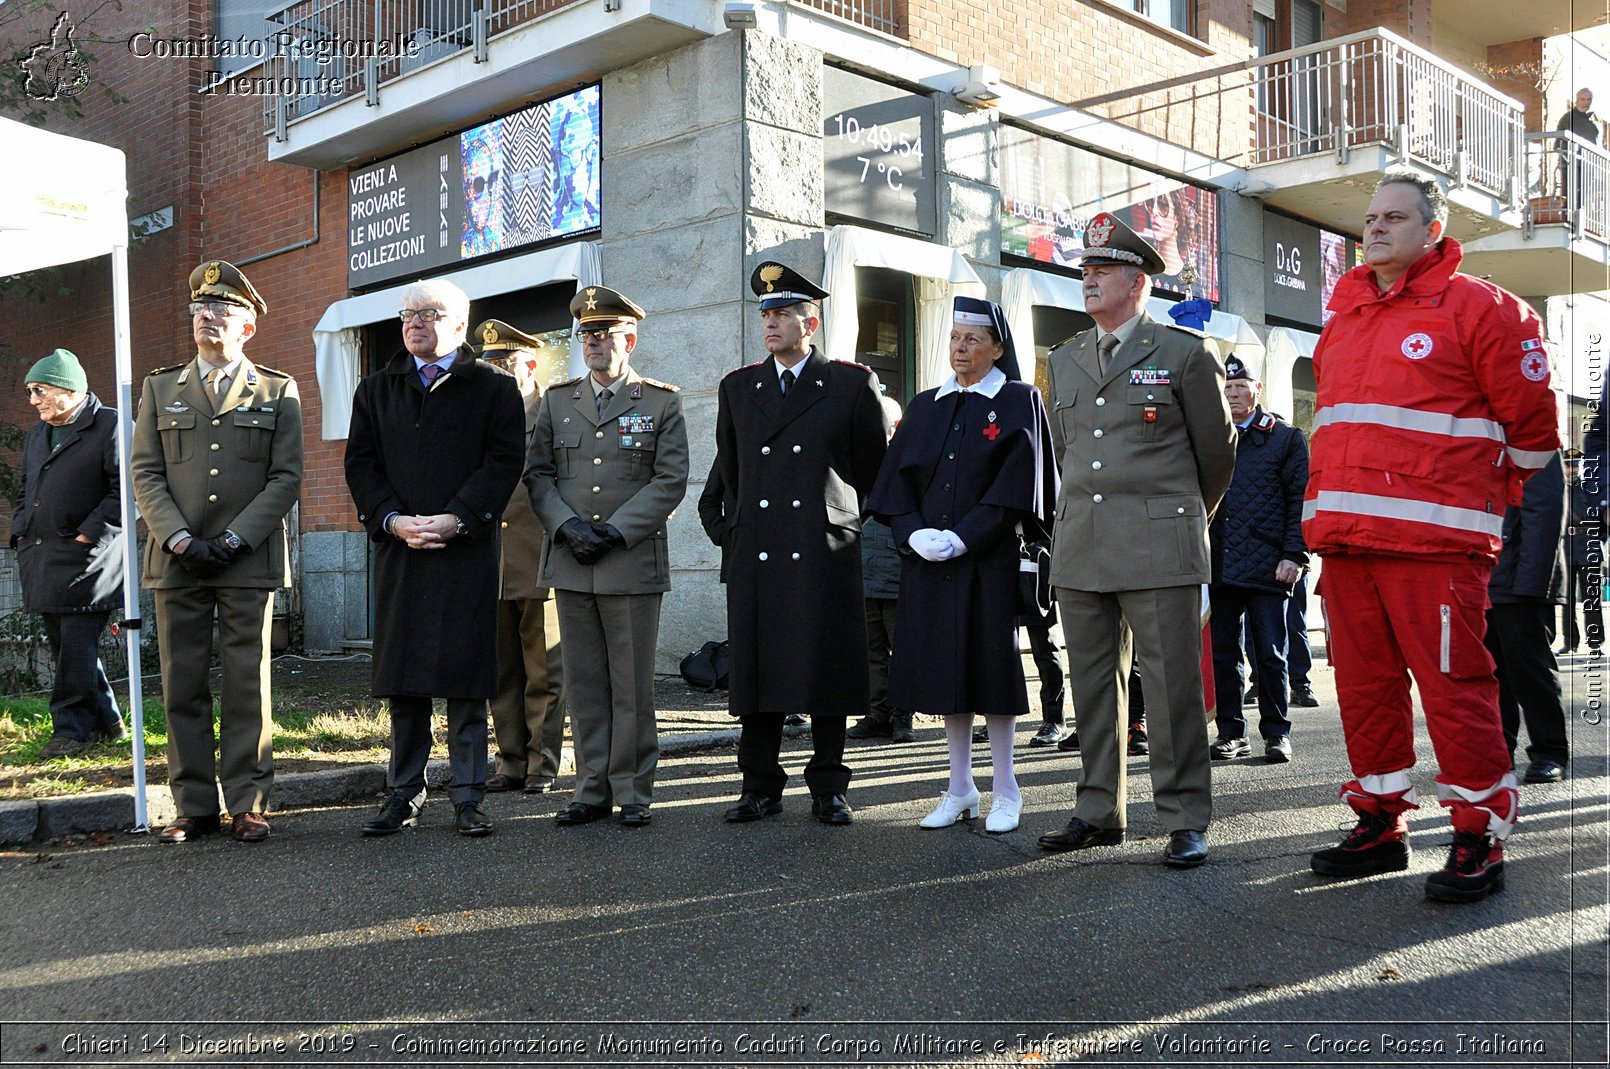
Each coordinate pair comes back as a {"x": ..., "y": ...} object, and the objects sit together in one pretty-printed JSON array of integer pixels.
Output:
[
  {"x": 1417, "y": 346},
  {"x": 1535, "y": 366}
]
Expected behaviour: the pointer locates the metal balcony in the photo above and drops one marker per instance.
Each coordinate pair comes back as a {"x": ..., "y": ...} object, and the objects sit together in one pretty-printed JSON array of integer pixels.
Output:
[
  {"x": 1330, "y": 117},
  {"x": 1563, "y": 245},
  {"x": 320, "y": 56}
]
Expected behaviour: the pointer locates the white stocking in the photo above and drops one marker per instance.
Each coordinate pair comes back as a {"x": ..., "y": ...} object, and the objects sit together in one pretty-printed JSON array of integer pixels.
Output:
[
  {"x": 959, "y": 737},
  {"x": 1001, "y": 732}
]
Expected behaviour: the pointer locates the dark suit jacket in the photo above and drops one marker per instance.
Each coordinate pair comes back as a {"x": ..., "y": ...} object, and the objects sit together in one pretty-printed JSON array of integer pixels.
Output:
[{"x": 799, "y": 469}]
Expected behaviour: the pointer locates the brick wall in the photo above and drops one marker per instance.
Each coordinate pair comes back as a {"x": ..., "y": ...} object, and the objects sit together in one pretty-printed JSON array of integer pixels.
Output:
[
  {"x": 205, "y": 156},
  {"x": 1410, "y": 19},
  {"x": 1515, "y": 68},
  {"x": 1093, "y": 56}
]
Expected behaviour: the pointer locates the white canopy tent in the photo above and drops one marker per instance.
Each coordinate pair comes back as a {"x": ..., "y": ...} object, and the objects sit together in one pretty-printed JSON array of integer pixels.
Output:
[{"x": 62, "y": 200}]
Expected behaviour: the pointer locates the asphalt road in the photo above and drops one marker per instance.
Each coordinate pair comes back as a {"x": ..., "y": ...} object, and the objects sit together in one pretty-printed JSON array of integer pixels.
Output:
[{"x": 696, "y": 942}]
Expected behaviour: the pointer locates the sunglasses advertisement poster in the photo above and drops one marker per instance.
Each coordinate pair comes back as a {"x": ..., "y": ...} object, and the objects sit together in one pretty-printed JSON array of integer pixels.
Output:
[
  {"x": 528, "y": 177},
  {"x": 1050, "y": 191}
]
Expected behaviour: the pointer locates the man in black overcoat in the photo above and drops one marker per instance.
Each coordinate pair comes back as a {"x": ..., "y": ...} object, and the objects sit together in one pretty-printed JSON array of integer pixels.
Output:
[
  {"x": 68, "y": 534},
  {"x": 435, "y": 449},
  {"x": 799, "y": 439}
]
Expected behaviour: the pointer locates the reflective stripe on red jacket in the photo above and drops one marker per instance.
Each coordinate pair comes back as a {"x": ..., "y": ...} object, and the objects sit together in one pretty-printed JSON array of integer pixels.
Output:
[{"x": 1434, "y": 402}]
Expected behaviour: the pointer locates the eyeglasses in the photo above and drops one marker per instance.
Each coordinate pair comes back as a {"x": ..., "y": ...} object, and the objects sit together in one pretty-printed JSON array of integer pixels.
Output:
[
  {"x": 424, "y": 315},
  {"x": 216, "y": 309},
  {"x": 39, "y": 391},
  {"x": 480, "y": 183},
  {"x": 585, "y": 333}
]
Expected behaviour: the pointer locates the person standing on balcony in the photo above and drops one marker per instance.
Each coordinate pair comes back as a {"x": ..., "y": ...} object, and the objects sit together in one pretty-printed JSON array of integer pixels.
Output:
[
  {"x": 1434, "y": 405},
  {"x": 1581, "y": 121}
]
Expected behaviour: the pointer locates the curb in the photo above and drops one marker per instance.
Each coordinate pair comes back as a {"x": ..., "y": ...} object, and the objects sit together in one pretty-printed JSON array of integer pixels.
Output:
[{"x": 38, "y": 820}]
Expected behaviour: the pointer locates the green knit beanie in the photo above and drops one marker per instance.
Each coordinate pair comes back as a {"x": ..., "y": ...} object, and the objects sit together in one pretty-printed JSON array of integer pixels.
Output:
[{"x": 60, "y": 368}]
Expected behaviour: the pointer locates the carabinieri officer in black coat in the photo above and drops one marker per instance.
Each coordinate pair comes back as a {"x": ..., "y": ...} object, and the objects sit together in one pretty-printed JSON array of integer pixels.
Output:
[{"x": 799, "y": 438}]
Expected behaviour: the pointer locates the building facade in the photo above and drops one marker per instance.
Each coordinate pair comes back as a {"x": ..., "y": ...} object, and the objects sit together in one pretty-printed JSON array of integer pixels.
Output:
[{"x": 902, "y": 150}]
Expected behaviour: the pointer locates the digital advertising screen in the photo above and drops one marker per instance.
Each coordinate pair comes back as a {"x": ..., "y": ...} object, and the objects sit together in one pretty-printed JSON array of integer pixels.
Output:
[
  {"x": 525, "y": 178},
  {"x": 1050, "y": 191}
]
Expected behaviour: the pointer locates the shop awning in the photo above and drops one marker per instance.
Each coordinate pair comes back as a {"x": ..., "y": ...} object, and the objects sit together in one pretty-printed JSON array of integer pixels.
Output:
[{"x": 336, "y": 339}]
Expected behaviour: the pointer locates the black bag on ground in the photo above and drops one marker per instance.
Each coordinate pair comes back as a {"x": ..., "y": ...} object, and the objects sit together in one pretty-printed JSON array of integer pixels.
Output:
[{"x": 706, "y": 668}]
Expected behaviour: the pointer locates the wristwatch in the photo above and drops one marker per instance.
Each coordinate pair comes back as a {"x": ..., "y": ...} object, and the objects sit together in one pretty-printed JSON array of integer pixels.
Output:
[
  {"x": 232, "y": 540},
  {"x": 463, "y": 528}
]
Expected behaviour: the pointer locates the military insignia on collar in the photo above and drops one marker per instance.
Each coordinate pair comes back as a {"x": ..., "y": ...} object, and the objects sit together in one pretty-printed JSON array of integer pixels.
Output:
[
  {"x": 212, "y": 274},
  {"x": 770, "y": 274},
  {"x": 489, "y": 336},
  {"x": 818, "y": 382},
  {"x": 759, "y": 385}
]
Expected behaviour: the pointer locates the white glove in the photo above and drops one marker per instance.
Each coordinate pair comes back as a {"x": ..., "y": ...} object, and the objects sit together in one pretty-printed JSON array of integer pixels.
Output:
[
  {"x": 957, "y": 546},
  {"x": 930, "y": 545}
]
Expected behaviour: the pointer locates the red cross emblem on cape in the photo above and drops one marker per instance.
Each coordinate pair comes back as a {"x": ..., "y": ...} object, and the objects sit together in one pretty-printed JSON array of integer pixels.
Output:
[{"x": 992, "y": 432}]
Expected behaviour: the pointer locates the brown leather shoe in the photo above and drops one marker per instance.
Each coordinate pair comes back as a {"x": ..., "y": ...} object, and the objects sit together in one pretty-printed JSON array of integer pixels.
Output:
[
  {"x": 251, "y": 828},
  {"x": 183, "y": 829},
  {"x": 497, "y": 783}
]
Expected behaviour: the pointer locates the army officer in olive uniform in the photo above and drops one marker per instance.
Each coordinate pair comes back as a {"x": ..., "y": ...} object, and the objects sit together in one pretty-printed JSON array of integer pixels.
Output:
[
  {"x": 217, "y": 465},
  {"x": 799, "y": 438},
  {"x": 1139, "y": 420},
  {"x": 608, "y": 464},
  {"x": 528, "y": 713}
]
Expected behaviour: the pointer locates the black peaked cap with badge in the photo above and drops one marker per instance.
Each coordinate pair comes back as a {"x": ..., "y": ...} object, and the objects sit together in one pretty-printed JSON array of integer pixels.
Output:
[
  {"x": 221, "y": 280},
  {"x": 779, "y": 286},
  {"x": 1109, "y": 240},
  {"x": 498, "y": 338},
  {"x": 1236, "y": 368},
  {"x": 599, "y": 305}
]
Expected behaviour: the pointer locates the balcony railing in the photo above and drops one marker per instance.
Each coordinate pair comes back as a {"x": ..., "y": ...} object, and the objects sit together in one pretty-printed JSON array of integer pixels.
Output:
[
  {"x": 885, "y": 16},
  {"x": 1374, "y": 88},
  {"x": 327, "y": 51},
  {"x": 1568, "y": 182}
]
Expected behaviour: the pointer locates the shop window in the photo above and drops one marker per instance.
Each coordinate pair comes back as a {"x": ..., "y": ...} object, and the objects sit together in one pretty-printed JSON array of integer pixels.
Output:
[
  {"x": 1052, "y": 327},
  {"x": 887, "y": 340},
  {"x": 1304, "y": 391}
]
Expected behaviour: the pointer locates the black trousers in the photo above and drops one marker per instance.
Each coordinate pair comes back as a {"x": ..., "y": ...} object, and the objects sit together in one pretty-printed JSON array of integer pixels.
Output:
[
  {"x": 1519, "y": 637},
  {"x": 1582, "y": 590},
  {"x": 1048, "y": 663},
  {"x": 466, "y": 746},
  {"x": 81, "y": 700},
  {"x": 761, "y": 740}
]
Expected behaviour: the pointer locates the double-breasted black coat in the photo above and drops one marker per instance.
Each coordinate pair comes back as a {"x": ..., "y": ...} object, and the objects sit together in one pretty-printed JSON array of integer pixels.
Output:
[
  {"x": 979, "y": 466},
  {"x": 69, "y": 491},
  {"x": 798, "y": 469},
  {"x": 458, "y": 448}
]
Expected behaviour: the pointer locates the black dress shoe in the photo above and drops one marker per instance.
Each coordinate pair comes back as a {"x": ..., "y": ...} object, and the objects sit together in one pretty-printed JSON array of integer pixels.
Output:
[
  {"x": 1230, "y": 749},
  {"x": 1186, "y": 849},
  {"x": 498, "y": 783},
  {"x": 635, "y": 815},
  {"x": 1303, "y": 696},
  {"x": 1544, "y": 770},
  {"x": 1048, "y": 735},
  {"x": 1069, "y": 743},
  {"x": 832, "y": 809},
  {"x": 537, "y": 785},
  {"x": 396, "y": 813},
  {"x": 1079, "y": 835},
  {"x": 471, "y": 819},
  {"x": 580, "y": 813},
  {"x": 980, "y": 734},
  {"x": 753, "y": 806}
]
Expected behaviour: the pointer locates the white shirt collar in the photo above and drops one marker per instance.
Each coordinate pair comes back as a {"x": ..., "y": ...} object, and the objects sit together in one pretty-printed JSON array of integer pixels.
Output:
[
  {"x": 798, "y": 369},
  {"x": 989, "y": 385}
]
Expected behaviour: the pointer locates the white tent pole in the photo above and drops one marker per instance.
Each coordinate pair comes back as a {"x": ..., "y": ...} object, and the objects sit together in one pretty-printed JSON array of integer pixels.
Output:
[{"x": 131, "y": 574}]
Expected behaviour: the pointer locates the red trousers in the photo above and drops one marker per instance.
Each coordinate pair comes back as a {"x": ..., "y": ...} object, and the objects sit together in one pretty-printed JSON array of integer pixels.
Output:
[{"x": 1391, "y": 618}]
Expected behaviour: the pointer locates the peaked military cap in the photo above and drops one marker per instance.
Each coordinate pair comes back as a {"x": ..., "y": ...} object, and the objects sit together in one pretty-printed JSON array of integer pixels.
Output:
[
  {"x": 1236, "y": 368},
  {"x": 497, "y": 337},
  {"x": 1108, "y": 240},
  {"x": 223, "y": 281},
  {"x": 597, "y": 305},
  {"x": 778, "y": 286}
]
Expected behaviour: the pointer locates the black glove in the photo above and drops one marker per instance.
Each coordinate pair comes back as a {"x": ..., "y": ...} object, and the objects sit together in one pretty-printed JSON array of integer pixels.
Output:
[
  {"x": 585, "y": 543},
  {"x": 613, "y": 539},
  {"x": 202, "y": 559}
]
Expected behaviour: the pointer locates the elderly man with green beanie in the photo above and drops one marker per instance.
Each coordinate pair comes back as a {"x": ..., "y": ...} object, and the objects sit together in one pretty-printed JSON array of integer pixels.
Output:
[{"x": 68, "y": 534}]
